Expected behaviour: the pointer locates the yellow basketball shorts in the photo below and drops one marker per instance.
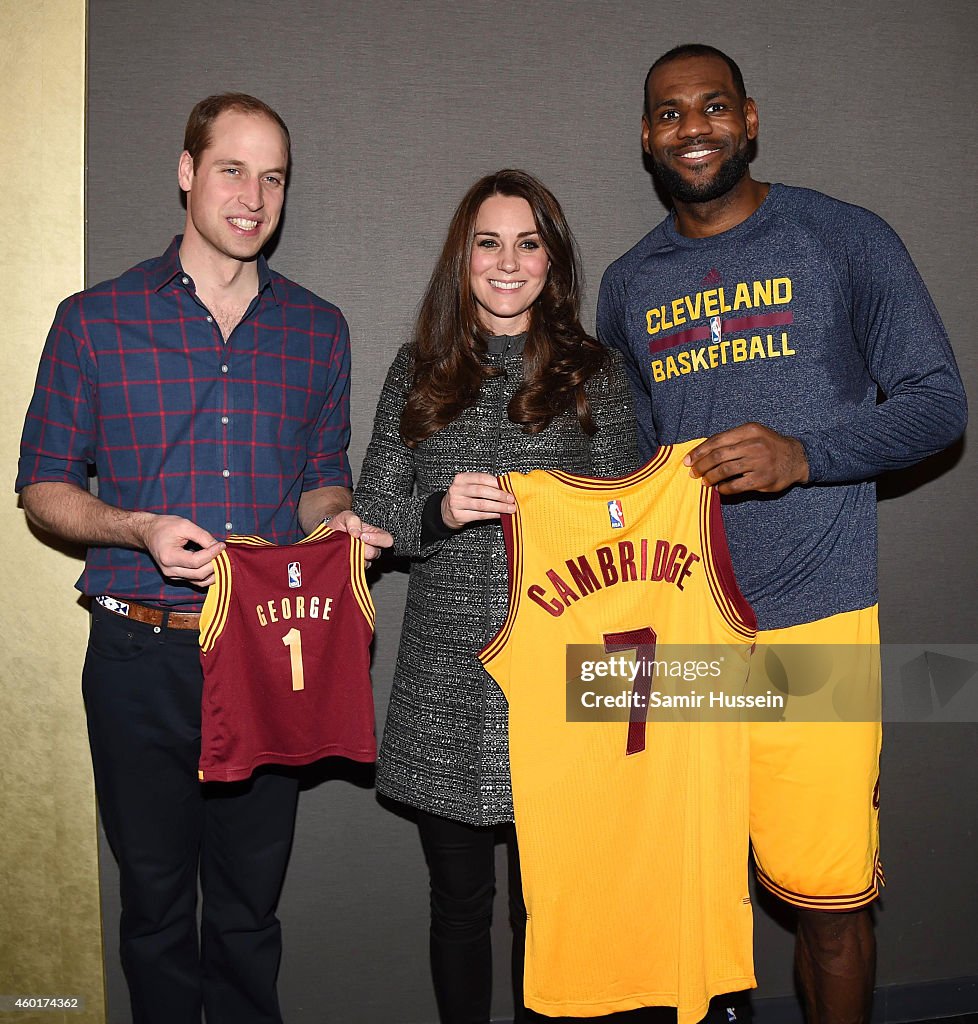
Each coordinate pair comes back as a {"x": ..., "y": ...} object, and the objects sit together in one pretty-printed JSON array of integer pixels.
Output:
[{"x": 814, "y": 778}]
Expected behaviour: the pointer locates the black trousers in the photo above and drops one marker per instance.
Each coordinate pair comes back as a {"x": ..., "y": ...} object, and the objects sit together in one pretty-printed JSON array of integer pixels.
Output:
[
  {"x": 462, "y": 865},
  {"x": 142, "y": 687}
]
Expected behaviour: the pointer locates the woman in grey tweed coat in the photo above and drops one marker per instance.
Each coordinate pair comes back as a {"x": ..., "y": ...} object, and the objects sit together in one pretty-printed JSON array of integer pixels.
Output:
[{"x": 500, "y": 376}]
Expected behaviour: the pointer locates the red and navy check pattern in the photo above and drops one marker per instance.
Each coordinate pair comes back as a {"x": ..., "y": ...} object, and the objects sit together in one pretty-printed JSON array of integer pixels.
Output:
[{"x": 137, "y": 384}]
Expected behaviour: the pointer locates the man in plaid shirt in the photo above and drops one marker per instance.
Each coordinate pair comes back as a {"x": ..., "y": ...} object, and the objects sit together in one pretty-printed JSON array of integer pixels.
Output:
[{"x": 210, "y": 395}]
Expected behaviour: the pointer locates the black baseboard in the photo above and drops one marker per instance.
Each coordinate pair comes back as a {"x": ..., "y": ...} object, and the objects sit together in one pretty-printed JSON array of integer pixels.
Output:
[{"x": 892, "y": 1004}]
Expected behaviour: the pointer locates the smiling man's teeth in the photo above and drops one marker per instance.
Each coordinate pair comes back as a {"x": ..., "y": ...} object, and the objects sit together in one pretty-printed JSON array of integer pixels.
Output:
[
  {"x": 694, "y": 154},
  {"x": 507, "y": 285},
  {"x": 245, "y": 225}
]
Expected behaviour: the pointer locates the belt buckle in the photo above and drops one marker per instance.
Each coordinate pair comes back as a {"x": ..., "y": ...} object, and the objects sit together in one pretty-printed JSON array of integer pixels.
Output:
[{"x": 113, "y": 605}]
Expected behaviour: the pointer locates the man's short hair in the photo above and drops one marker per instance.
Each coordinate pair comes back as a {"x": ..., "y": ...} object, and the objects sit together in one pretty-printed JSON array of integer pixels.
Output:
[
  {"x": 199, "y": 131},
  {"x": 696, "y": 50}
]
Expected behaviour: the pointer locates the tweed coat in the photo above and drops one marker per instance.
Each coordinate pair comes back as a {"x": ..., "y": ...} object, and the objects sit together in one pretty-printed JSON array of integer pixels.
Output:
[{"x": 445, "y": 745}]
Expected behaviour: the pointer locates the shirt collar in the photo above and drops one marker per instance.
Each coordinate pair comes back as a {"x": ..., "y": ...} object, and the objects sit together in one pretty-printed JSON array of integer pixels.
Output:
[
  {"x": 168, "y": 267},
  {"x": 501, "y": 344}
]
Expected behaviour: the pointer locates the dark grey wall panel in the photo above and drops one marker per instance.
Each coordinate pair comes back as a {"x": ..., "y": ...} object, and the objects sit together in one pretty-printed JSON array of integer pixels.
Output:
[{"x": 396, "y": 106}]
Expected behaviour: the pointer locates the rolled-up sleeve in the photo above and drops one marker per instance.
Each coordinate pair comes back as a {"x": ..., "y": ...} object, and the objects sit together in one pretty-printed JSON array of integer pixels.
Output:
[
  {"x": 58, "y": 442},
  {"x": 328, "y": 465}
]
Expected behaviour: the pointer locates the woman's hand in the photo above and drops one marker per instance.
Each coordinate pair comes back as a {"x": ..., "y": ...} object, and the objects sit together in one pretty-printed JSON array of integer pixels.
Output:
[{"x": 473, "y": 497}]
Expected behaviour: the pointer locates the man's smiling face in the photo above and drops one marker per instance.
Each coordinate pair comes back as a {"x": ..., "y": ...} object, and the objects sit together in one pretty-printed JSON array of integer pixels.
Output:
[
  {"x": 697, "y": 128},
  {"x": 236, "y": 192}
]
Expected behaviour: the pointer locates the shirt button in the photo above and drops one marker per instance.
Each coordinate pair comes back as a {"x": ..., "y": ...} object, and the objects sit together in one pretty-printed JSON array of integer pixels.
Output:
[
  {"x": 210, "y": 319},
  {"x": 227, "y": 526},
  {"x": 225, "y": 472},
  {"x": 185, "y": 280},
  {"x": 224, "y": 368},
  {"x": 224, "y": 420}
]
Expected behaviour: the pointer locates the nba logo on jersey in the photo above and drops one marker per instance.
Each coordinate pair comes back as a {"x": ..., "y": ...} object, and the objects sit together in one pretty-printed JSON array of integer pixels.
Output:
[
  {"x": 715, "y": 328},
  {"x": 615, "y": 514},
  {"x": 295, "y": 575}
]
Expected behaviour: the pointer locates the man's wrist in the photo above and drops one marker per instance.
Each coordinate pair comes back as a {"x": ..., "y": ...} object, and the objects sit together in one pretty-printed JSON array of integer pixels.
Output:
[
  {"x": 139, "y": 524},
  {"x": 804, "y": 460}
]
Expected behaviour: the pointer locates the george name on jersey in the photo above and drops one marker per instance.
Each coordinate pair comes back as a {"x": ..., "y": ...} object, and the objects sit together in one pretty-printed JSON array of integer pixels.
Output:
[
  {"x": 652, "y": 561},
  {"x": 286, "y": 609}
]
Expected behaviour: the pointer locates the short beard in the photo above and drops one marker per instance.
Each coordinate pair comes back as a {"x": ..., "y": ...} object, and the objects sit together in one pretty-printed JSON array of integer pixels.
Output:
[{"x": 727, "y": 176}]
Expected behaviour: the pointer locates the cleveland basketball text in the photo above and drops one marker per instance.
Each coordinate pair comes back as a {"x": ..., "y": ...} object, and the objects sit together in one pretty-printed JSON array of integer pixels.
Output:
[{"x": 713, "y": 302}]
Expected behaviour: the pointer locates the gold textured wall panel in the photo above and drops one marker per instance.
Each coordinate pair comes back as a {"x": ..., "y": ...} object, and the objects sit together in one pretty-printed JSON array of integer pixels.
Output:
[{"x": 50, "y": 935}]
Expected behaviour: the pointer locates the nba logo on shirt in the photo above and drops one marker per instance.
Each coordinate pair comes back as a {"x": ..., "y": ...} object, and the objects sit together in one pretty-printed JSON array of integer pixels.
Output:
[
  {"x": 715, "y": 328},
  {"x": 615, "y": 514},
  {"x": 295, "y": 575}
]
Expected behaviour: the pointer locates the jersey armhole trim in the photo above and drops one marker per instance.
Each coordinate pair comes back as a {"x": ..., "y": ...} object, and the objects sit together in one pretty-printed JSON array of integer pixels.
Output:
[
  {"x": 358, "y": 581},
  {"x": 513, "y": 538},
  {"x": 214, "y": 614},
  {"x": 320, "y": 532},
  {"x": 732, "y": 604}
]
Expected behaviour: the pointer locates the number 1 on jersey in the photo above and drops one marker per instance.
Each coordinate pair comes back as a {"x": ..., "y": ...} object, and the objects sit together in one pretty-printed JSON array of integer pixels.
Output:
[
  {"x": 642, "y": 642},
  {"x": 293, "y": 640}
]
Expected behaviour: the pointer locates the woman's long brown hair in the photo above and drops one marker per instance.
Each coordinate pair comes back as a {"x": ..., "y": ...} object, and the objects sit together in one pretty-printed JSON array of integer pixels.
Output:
[{"x": 449, "y": 338}]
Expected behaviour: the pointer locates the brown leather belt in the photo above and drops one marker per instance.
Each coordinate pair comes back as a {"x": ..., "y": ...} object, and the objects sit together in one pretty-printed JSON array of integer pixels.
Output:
[{"x": 151, "y": 616}]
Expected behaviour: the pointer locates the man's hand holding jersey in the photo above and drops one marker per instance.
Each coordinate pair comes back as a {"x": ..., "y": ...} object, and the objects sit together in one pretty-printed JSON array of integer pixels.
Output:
[
  {"x": 374, "y": 538},
  {"x": 748, "y": 458}
]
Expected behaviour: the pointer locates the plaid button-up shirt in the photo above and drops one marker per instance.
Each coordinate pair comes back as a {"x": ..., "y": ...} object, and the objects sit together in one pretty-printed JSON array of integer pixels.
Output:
[{"x": 137, "y": 385}]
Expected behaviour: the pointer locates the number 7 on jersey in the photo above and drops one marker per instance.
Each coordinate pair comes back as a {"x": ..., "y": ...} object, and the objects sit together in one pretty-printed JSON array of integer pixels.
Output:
[{"x": 642, "y": 642}]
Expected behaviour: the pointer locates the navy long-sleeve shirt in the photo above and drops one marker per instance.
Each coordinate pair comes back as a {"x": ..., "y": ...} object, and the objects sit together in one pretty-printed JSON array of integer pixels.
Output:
[{"x": 793, "y": 319}]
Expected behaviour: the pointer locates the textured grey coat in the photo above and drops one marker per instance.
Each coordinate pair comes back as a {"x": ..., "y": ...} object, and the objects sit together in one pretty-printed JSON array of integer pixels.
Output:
[{"x": 445, "y": 746}]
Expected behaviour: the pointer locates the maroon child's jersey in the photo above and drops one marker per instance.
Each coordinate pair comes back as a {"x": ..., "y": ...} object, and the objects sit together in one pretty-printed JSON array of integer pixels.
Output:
[{"x": 285, "y": 647}]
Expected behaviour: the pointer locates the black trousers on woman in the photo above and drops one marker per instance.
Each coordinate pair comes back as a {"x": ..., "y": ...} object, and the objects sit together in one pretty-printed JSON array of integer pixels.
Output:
[{"x": 462, "y": 865}]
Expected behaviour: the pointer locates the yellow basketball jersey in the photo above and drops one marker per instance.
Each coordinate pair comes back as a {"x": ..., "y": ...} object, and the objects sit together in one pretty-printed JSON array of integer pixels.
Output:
[{"x": 633, "y": 834}]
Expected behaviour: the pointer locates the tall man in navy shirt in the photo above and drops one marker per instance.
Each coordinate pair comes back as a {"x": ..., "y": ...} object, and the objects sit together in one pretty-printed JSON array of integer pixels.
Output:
[
  {"x": 210, "y": 395},
  {"x": 764, "y": 318}
]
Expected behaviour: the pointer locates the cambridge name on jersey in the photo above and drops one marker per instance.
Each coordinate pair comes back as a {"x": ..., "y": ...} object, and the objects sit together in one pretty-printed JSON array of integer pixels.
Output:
[
  {"x": 285, "y": 648},
  {"x": 633, "y": 834}
]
